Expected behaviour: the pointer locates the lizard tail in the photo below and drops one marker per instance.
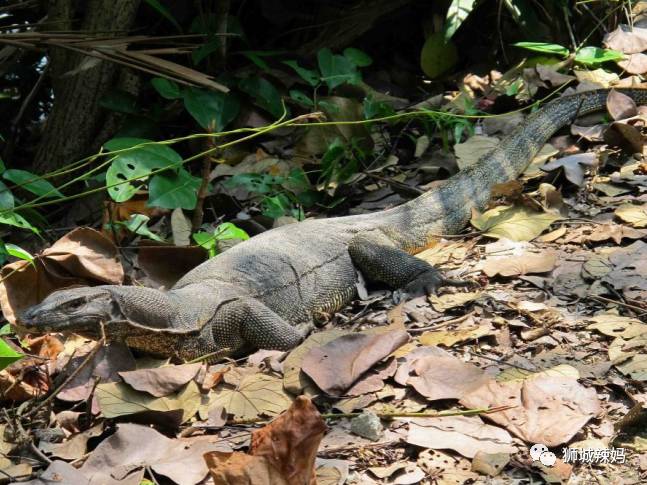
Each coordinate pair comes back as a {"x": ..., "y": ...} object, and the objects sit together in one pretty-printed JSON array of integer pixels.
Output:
[{"x": 447, "y": 208}]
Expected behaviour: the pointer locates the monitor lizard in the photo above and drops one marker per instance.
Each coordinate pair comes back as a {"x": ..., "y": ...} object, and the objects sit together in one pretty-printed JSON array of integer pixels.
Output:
[{"x": 266, "y": 291}]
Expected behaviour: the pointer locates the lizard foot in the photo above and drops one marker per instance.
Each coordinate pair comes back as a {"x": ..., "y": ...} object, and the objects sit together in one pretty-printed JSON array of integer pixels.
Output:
[
  {"x": 426, "y": 283},
  {"x": 305, "y": 328}
]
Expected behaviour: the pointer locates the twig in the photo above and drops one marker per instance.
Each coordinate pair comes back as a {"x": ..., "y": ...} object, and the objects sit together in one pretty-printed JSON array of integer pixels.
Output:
[{"x": 602, "y": 299}]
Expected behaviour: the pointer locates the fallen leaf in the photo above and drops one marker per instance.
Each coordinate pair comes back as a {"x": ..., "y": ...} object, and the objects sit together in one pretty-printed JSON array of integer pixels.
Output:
[
  {"x": 436, "y": 374},
  {"x": 634, "y": 63},
  {"x": 257, "y": 395},
  {"x": 118, "y": 399},
  {"x": 620, "y": 106},
  {"x": 283, "y": 452},
  {"x": 615, "y": 325},
  {"x": 636, "y": 215},
  {"x": 547, "y": 409},
  {"x": 160, "y": 381},
  {"x": 74, "y": 447},
  {"x": 337, "y": 365},
  {"x": 295, "y": 381},
  {"x": 134, "y": 447},
  {"x": 626, "y": 40},
  {"x": 573, "y": 166},
  {"x": 490, "y": 464},
  {"x": 466, "y": 435},
  {"x": 59, "y": 472},
  {"x": 468, "y": 152},
  {"x": 526, "y": 263},
  {"x": 516, "y": 223},
  {"x": 164, "y": 264},
  {"x": 447, "y": 469}
]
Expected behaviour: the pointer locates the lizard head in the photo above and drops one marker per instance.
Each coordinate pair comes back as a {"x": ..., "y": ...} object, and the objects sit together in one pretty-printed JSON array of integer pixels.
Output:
[{"x": 79, "y": 310}]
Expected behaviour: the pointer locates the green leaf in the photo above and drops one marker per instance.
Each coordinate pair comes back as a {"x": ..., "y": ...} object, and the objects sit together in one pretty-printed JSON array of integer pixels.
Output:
[
  {"x": 6, "y": 329},
  {"x": 228, "y": 230},
  {"x": 212, "y": 110},
  {"x": 357, "y": 57},
  {"x": 137, "y": 164},
  {"x": 206, "y": 49},
  {"x": 164, "y": 12},
  {"x": 301, "y": 97},
  {"x": 173, "y": 190},
  {"x": 257, "y": 57},
  {"x": 8, "y": 355},
  {"x": 13, "y": 219},
  {"x": 308, "y": 75},
  {"x": 138, "y": 224},
  {"x": 264, "y": 93},
  {"x": 120, "y": 102},
  {"x": 546, "y": 48},
  {"x": 276, "y": 206},
  {"x": 31, "y": 182},
  {"x": 456, "y": 14},
  {"x": 438, "y": 55},
  {"x": 592, "y": 56},
  {"x": 166, "y": 88},
  {"x": 376, "y": 109},
  {"x": 224, "y": 231},
  {"x": 337, "y": 70},
  {"x": 6, "y": 197},
  {"x": 18, "y": 252}
]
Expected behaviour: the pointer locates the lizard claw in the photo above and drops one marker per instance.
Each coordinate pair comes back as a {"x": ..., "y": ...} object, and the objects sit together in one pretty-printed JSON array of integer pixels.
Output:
[{"x": 427, "y": 283}]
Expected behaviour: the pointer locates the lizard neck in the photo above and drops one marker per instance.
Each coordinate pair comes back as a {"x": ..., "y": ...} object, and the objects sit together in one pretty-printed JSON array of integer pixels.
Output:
[{"x": 145, "y": 306}]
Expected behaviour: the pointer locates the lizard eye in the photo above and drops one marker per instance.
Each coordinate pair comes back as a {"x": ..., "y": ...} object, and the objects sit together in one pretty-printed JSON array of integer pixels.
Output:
[{"x": 75, "y": 305}]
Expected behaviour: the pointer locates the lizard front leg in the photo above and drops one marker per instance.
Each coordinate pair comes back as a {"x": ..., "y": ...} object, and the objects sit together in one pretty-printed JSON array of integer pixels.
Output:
[
  {"x": 247, "y": 322},
  {"x": 379, "y": 259}
]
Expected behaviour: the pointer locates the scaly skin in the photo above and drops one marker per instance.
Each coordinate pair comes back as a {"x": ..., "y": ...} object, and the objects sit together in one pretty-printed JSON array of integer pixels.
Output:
[{"x": 265, "y": 292}]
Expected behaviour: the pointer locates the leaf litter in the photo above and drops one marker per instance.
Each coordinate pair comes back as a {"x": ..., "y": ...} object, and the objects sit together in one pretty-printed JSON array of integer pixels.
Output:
[{"x": 550, "y": 349}]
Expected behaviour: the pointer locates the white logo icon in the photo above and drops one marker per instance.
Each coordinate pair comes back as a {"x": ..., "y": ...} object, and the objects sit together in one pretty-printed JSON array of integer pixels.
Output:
[
  {"x": 540, "y": 453},
  {"x": 547, "y": 458},
  {"x": 537, "y": 450}
]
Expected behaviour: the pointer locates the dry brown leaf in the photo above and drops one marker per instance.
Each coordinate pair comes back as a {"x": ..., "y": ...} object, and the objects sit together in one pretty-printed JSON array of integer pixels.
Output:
[
  {"x": 466, "y": 435},
  {"x": 160, "y": 381},
  {"x": 448, "y": 301},
  {"x": 490, "y": 464},
  {"x": 283, "y": 452},
  {"x": 436, "y": 374},
  {"x": 636, "y": 215},
  {"x": 165, "y": 264},
  {"x": 620, "y": 106},
  {"x": 526, "y": 263},
  {"x": 337, "y": 365},
  {"x": 627, "y": 40},
  {"x": 73, "y": 447},
  {"x": 447, "y": 469},
  {"x": 634, "y": 63},
  {"x": 134, "y": 447},
  {"x": 547, "y": 409}
]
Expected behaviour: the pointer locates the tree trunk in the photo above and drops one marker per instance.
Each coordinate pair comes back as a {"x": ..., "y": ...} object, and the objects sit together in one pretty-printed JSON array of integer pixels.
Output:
[{"x": 76, "y": 125}]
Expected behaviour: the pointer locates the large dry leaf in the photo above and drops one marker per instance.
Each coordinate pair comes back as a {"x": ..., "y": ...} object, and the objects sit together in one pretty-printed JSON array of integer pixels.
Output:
[
  {"x": 466, "y": 435},
  {"x": 627, "y": 40},
  {"x": 295, "y": 381},
  {"x": 628, "y": 267},
  {"x": 468, "y": 152},
  {"x": 526, "y": 263},
  {"x": 547, "y": 409},
  {"x": 134, "y": 447},
  {"x": 436, "y": 374},
  {"x": 516, "y": 223},
  {"x": 257, "y": 395},
  {"x": 620, "y": 106},
  {"x": 634, "y": 63},
  {"x": 60, "y": 472},
  {"x": 165, "y": 264},
  {"x": 81, "y": 257},
  {"x": 615, "y": 325},
  {"x": 446, "y": 468},
  {"x": 636, "y": 215},
  {"x": 74, "y": 447},
  {"x": 283, "y": 452},
  {"x": 337, "y": 365},
  {"x": 160, "y": 381},
  {"x": 118, "y": 399},
  {"x": 448, "y": 301},
  {"x": 573, "y": 166}
]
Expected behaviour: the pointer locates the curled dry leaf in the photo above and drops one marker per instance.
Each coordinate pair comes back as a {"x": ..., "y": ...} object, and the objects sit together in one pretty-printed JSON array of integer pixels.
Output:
[
  {"x": 337, "y": 365},
  {"x": 283, "y": 452},
  {"x": 465, "y": 434},
  {"x": 436, "y": 374},
  {"x": 547, "y": 409}
]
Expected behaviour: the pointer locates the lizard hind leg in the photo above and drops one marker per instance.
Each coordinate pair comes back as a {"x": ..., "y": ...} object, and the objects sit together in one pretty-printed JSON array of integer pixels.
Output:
[{"x": 380, "y": 259}]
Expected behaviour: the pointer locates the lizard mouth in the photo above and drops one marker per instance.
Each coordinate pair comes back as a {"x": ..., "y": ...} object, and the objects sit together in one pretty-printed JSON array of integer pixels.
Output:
[{"x": 86, "y": 325}]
